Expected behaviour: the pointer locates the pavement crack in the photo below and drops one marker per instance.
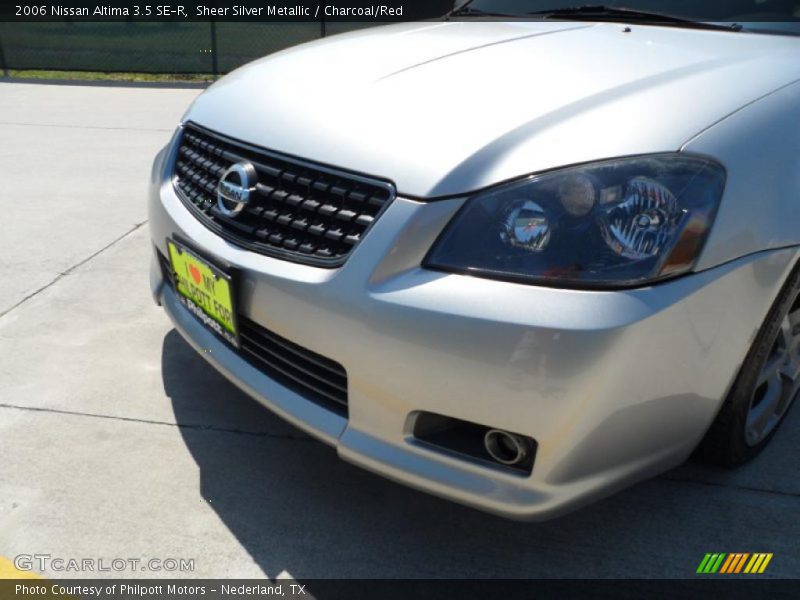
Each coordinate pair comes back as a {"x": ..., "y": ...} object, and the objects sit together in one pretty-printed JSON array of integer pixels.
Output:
[
  {"x": 63, "y": 274},
  {"x": 196, "y": 426},
  {"x": 745, "y": 488}
]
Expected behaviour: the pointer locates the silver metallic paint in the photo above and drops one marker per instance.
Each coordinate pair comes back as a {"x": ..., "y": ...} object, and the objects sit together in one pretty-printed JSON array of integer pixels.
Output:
[{"x": 614, "y": 386}]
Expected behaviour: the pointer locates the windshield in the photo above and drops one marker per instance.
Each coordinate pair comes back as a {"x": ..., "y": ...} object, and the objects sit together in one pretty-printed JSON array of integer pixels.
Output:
[{"x": 776, "y": 15}]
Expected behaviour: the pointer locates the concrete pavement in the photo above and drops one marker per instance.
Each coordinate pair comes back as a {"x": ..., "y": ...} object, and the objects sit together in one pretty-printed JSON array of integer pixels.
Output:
[
  {"x": 117, "y": 440},
  {"x": 75, "y": 162}
]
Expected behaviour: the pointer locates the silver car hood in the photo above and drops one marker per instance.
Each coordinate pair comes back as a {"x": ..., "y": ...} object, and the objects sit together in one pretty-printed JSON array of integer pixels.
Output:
[{"x": 446, "y": 108}]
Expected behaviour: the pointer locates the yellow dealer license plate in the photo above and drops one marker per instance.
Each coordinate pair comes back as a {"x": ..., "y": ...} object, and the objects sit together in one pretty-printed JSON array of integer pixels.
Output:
[{"x": 205, "y": 290}]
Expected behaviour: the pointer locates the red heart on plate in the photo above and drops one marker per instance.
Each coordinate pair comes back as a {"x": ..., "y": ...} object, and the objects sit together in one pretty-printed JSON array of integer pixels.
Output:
[{"x": 195, "y": 273}]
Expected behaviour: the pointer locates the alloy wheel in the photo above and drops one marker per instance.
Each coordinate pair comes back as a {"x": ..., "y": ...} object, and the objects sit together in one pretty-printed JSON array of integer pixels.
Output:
[{"x": 779, "y": 380}]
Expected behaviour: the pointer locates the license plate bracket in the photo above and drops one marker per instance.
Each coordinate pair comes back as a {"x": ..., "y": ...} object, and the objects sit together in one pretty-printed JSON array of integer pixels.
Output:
[{"x": 205, "y": 289}]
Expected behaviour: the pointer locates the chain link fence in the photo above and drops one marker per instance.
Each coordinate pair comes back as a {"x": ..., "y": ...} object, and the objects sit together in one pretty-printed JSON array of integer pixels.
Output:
[{"x": 194, "y": 47}]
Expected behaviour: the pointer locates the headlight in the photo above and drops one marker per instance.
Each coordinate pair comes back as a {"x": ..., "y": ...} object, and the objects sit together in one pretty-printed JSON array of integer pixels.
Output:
[{"x": 621, "y": 222}]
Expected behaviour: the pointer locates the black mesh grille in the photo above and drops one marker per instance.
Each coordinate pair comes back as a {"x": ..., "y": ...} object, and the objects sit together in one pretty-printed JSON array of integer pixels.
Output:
[
  {"x": 318, "y": 378},
  {"x": 301, "y": 212},
  {"x": 315, "y": 377}
]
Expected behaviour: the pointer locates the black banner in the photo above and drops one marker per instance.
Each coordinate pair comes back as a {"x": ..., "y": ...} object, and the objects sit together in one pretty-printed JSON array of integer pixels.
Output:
[
  {"x": 365, "y": 11},
  {"x": 378, "y": 11},
  {"x": 732, "y": 587}
]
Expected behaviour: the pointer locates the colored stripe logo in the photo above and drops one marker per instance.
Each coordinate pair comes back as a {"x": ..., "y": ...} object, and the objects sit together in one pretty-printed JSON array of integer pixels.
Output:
[{"x": 733, "y": 563}]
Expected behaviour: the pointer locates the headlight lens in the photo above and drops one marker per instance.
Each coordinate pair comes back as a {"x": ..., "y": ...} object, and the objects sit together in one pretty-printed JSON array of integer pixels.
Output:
[{"x": 622, "y": 222}]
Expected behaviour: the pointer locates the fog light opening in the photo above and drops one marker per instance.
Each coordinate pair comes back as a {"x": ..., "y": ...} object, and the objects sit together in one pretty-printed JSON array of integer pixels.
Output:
[
  {"x": 506, "y": 448},
  {"x": 505, "y": 451}
]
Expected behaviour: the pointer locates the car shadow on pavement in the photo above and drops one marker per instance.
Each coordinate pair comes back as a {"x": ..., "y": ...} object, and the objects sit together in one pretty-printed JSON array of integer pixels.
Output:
[{"x": 296, "y": 507}]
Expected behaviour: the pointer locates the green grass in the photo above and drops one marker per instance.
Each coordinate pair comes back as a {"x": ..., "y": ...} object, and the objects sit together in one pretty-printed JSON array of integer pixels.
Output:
[{"x": 97, "y": 76}]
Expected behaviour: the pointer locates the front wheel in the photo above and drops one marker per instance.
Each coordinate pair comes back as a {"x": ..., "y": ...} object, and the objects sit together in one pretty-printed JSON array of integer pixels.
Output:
[{"x": 768, "y": 382}]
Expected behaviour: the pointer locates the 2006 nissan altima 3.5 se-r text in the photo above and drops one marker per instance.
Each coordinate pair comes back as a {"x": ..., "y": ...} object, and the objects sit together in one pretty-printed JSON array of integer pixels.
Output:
[{"x": 519, "y": 263}]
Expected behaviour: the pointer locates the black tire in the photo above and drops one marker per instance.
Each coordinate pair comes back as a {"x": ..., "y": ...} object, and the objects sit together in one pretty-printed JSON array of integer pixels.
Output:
[{"x": 725, "y": 444}]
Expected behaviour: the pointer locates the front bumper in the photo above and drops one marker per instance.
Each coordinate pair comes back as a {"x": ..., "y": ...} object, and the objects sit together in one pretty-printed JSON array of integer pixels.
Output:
[{"x": 614, "y": 386}]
